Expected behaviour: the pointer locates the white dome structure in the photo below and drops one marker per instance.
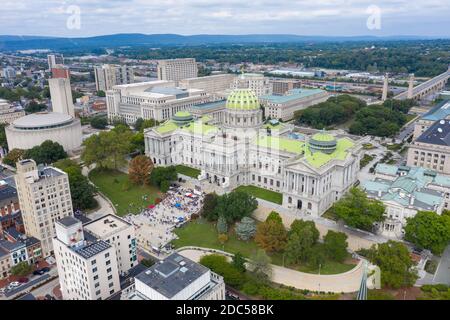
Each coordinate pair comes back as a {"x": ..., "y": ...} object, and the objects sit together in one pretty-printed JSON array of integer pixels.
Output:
[{"x": 31, "y": 130}]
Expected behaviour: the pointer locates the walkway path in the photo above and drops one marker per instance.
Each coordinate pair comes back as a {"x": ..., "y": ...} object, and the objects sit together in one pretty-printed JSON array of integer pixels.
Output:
[{"x": 344, "y": 282}]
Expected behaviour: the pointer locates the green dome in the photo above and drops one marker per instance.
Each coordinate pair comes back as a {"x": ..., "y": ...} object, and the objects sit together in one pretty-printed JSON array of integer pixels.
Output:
[
  {"x": 182, "y": 117},
  {"x": 242, "y": 99},
  {"x": 324, "y": 137}
]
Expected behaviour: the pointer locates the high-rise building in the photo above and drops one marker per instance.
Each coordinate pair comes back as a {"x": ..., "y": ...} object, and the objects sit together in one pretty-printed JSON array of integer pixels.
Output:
[
  {"x": 87, "y": 266},
  {"x": 118, "y": 233},
  {"x": 282, "y": 86},
  {"x": 210, "y": 84},
  {"x": 54, "y": 59},
  {"x": 9, "y": 73},
  {"x": 61, "y": 91},
  {"x": 177, "y": 69},
  {"x": 44, "y": 198},
  {"x": 107, "y": 76}
]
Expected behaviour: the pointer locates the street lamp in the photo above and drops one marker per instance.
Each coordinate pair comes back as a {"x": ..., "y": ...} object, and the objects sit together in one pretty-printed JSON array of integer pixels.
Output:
[{"x": 320, "y": 266}]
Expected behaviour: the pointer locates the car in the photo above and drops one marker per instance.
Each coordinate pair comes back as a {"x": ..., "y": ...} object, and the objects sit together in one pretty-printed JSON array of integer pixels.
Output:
[
  {"x": 38, "y": 272},
  {"x": 49, "y": 297},
  {"x": 45, "y": 269},
  {"x": 23, "y": 280},
  {"x": 14, "y": 284}
]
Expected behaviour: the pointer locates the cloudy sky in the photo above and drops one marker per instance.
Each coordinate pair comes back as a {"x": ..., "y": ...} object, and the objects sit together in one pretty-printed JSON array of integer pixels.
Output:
[{"x": 303, "y": 17}]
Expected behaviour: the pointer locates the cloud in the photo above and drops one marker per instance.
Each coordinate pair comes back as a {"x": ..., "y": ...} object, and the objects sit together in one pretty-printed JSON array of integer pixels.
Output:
[{"x": 324, "y": 17}]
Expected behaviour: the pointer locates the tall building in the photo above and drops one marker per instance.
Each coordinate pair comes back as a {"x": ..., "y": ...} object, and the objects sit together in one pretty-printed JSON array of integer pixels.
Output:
[
  {"x": 108, "y": 76},
  {"x": 209, "y": 84},
  {"x": 119, "y": 234},
  {"x": 282, "y": 86},
  {"x": 54, "y": 59},
  {"x": 259, "y": 84},
  {"x": 177, "y": 69},
  {"x": 410, "y": 86},
  {"x": 176, "y": 278},
  {"x": 44, "y": 198},
  {"x": 87, "y": 266},
  {"x": 385, "y": 87},
  {"x": 441, "y": 111},
  {"x": 61, "y": 91},
  {"x": 9, "y": 73}
]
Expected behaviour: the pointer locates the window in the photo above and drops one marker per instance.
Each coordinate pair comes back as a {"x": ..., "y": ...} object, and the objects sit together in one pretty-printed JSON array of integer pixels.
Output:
[
  {"x": 97, "y": 292},
  {"x": 93, "y": 262},
  {"x": 107, "y": 255},
  {"x": 94, "y": 269},
  {"x": 108, "y": 262},
  {"x": 107, "y": 270},
  {"x": 111, "y": 285},
  {"x": 95, "y": 277},
  {"x": 109, "y": 277}
]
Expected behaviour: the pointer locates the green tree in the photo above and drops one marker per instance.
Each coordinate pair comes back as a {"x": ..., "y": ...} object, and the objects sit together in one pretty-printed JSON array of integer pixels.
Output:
[
  {"x": 317, "y": 256},
  {"x": 275, "y": 216},
  {"x": 164, "y": 186},
  {"x": 235, "y": 205},
  {"x": 297, "y": 226},
  {"x": 21, "y": 269},
  {"x": 260, "y": 266},
  {"x": 336, "y": 245},
  {"x": 245, "y": 229},
  {"x": 34, "y": 107},
  {"x": 222, "y": 226},
  {"x": 239, "y": 262},
  {"x": 219, "y": 264},
  {"x": 209, "y": 206},
  {"x": 46, "y": 153},
  {"x": 101, "y": 94},
  {"x": 428, "y": 230},
  {"x": 99, "y": 122},
  {"x": 13, "y": 157},
  {"x": 3, "y": 140},
  {"x": 396, "y": 265},
  {"x": 358, "y": 211},
  {"x": 271, "y": 236},
  {"x": 299, "y": 245},
  {"x": 162, "y": 175}
]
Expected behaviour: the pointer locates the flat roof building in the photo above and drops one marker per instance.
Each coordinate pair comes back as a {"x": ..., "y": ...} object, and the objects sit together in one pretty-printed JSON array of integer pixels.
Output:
[{"x": 177, "y": 69}]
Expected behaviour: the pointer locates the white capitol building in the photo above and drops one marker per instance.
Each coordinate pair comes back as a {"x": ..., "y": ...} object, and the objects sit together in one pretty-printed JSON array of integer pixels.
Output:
[{"x": 311, "y": 172}]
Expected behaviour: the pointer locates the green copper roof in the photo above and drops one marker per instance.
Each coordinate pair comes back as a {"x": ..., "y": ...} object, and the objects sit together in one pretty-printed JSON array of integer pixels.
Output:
[
  {"x": 324, "y": 137},
  {"x": 166, "y": 127},
  {"x": 282, "y": 144},
  {"x": 199, "y": 127},
  {"x": 318, "y": 159},
  {"x": 242, "y": 99},
  {"x": 182, "y": 114}
]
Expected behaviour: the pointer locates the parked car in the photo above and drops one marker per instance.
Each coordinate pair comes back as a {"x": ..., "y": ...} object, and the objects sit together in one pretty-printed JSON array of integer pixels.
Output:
[
  {"x": 45, "y": 269},
  {"x": 14, "y": 284},
  {"x": 49, "y": 297},
  {"x": 23, "y": 280},
  {"x": 38, "y": 272}
]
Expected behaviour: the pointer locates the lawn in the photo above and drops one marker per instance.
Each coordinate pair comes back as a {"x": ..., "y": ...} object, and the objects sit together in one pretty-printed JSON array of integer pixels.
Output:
[
  {"x": 126, "y": 196},
  {"x": 188, "y": 171},
  {"x": 202, "y": 233},
  {"x": 261, "y": 193}
]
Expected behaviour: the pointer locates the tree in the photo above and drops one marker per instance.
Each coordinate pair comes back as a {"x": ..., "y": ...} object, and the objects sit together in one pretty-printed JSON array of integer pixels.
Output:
[
  {"x": 46, "y": 153},
  {"x": 317, "y": 256},
  {"x": 3, "y": 140},
  {"x": 82, "y": 192},
  {"x": 222, "y": 226},
  {"x": 13, "y": 157},
  {"x": 99, "y": 122},
  {"x": 141, "y": 124},
  {"x": 428, "y": 230},
  {"x": 21, "y": 269},
  {"x": 271, "y": 236},
  {"x": 235, "y": 205},
  {"x": 358, "y": 211},
  {"x": 239, "y": 262},
  {"x": 219, "y": 264},
  {"x": 275, "y": 216},
  {"x": 299, "y": 245},
  {"x": 163, "y": 174},
  {"x": 101, "y": 94},
  {"x": 222, "y": 238},
  {"x": 34, "y": 107},
  {"x": 298, "y": 226},
  {"x": 138, "y": 143},
  {"x": 336, "y": 245},
  {"x": 246, "y": 229},
  {"x": 140, "y": 169},
  {"x": 164, "y": 186},
  {"x": 108, "y": 149},
  {"x": 209, "y": 206},
  {"x": 396, "y": 265},
  {"x": 260, "y": 265}
]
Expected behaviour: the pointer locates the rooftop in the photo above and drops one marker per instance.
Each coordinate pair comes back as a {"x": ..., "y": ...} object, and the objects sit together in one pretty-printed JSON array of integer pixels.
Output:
[
  {"x": 438, "y": 134},
  {"x": 438, "y": 112},
  {"x": 209, "y": 105},
  {"x": 103, "y": 226},
  {"x": 42, "y": 120},
  {"x": 68, "y": 221},
  {"x": 172, "y": 275},
  {"x": 282, "y": 144},
  {"x": 294, "y": 94},
  {"x": 92, "y": 249},
  {"x": 242, "y": 99}
]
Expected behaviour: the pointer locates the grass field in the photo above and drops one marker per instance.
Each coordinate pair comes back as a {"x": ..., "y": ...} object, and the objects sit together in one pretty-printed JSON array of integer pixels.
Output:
[
  {"x": 187, "y": 171},
  {"x": 261, "y": 193},
  {"x": 202, "y": 233},
  {"x": 126, "y": 196}
]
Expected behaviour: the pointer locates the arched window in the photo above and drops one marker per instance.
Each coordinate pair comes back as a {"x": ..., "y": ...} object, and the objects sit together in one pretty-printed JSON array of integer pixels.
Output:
[
  {"x": 289, "y": 200},
  {"x": 309, "y": 206}
]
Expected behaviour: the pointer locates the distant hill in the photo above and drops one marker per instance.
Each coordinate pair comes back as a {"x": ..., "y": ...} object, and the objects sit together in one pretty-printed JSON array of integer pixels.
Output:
[{"x": 10, "y": 43}]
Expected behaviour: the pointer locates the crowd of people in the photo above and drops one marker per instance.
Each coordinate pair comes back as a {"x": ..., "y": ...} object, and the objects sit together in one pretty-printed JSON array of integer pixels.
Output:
[{"x": 155, "y": 224}]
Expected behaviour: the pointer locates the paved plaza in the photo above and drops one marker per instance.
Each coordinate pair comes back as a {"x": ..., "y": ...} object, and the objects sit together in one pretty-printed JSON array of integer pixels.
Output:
[{"x": 154, "y": 226}]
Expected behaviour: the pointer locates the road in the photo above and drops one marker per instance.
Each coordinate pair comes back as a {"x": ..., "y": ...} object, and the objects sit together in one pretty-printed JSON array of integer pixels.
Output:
[
  {"x": 45, "y": 289},
  {"x": 442, "y": 274},
  {"x": 406, "y": 131},
  {"x": 25, "y": 286}
]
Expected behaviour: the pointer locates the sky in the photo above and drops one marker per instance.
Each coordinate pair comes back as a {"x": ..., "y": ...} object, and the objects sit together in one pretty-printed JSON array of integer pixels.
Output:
[{"x": 75, "y": 18}]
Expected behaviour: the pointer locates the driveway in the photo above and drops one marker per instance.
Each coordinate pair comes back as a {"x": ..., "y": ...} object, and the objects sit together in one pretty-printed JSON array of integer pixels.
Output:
[{"x": 442, "y": 274}]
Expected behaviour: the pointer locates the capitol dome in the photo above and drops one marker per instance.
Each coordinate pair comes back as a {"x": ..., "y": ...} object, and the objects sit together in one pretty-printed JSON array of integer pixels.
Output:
[
  {"x": 242, "y": 99},
  {"x": 182, "y": 117},
  {"x": 323, "y": 142}
]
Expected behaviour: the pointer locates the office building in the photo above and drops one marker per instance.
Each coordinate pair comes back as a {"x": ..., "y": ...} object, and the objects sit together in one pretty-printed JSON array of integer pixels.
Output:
[
  {"x": 44, "y": 198},
  {"x": 158, "y": 100},
  {"x": 259, "y": 84},
  {"x": 284, "y": 106},
  {"x": 87, "y": 266},
  {"x": 177, "y": 69},
  {"x": 9, "y": 73},
  {"x": 282, "y": 86},
  {"x": 441, "y": 111},
  {"x": 431, "y": 149},
  {"x": 108, "y": 76},
  {"x": 209, "y": 84},
  {"x": 120, "y": 235},
  {"x": 176, "y": 278},
  {"x": 9, "y": 113}
]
